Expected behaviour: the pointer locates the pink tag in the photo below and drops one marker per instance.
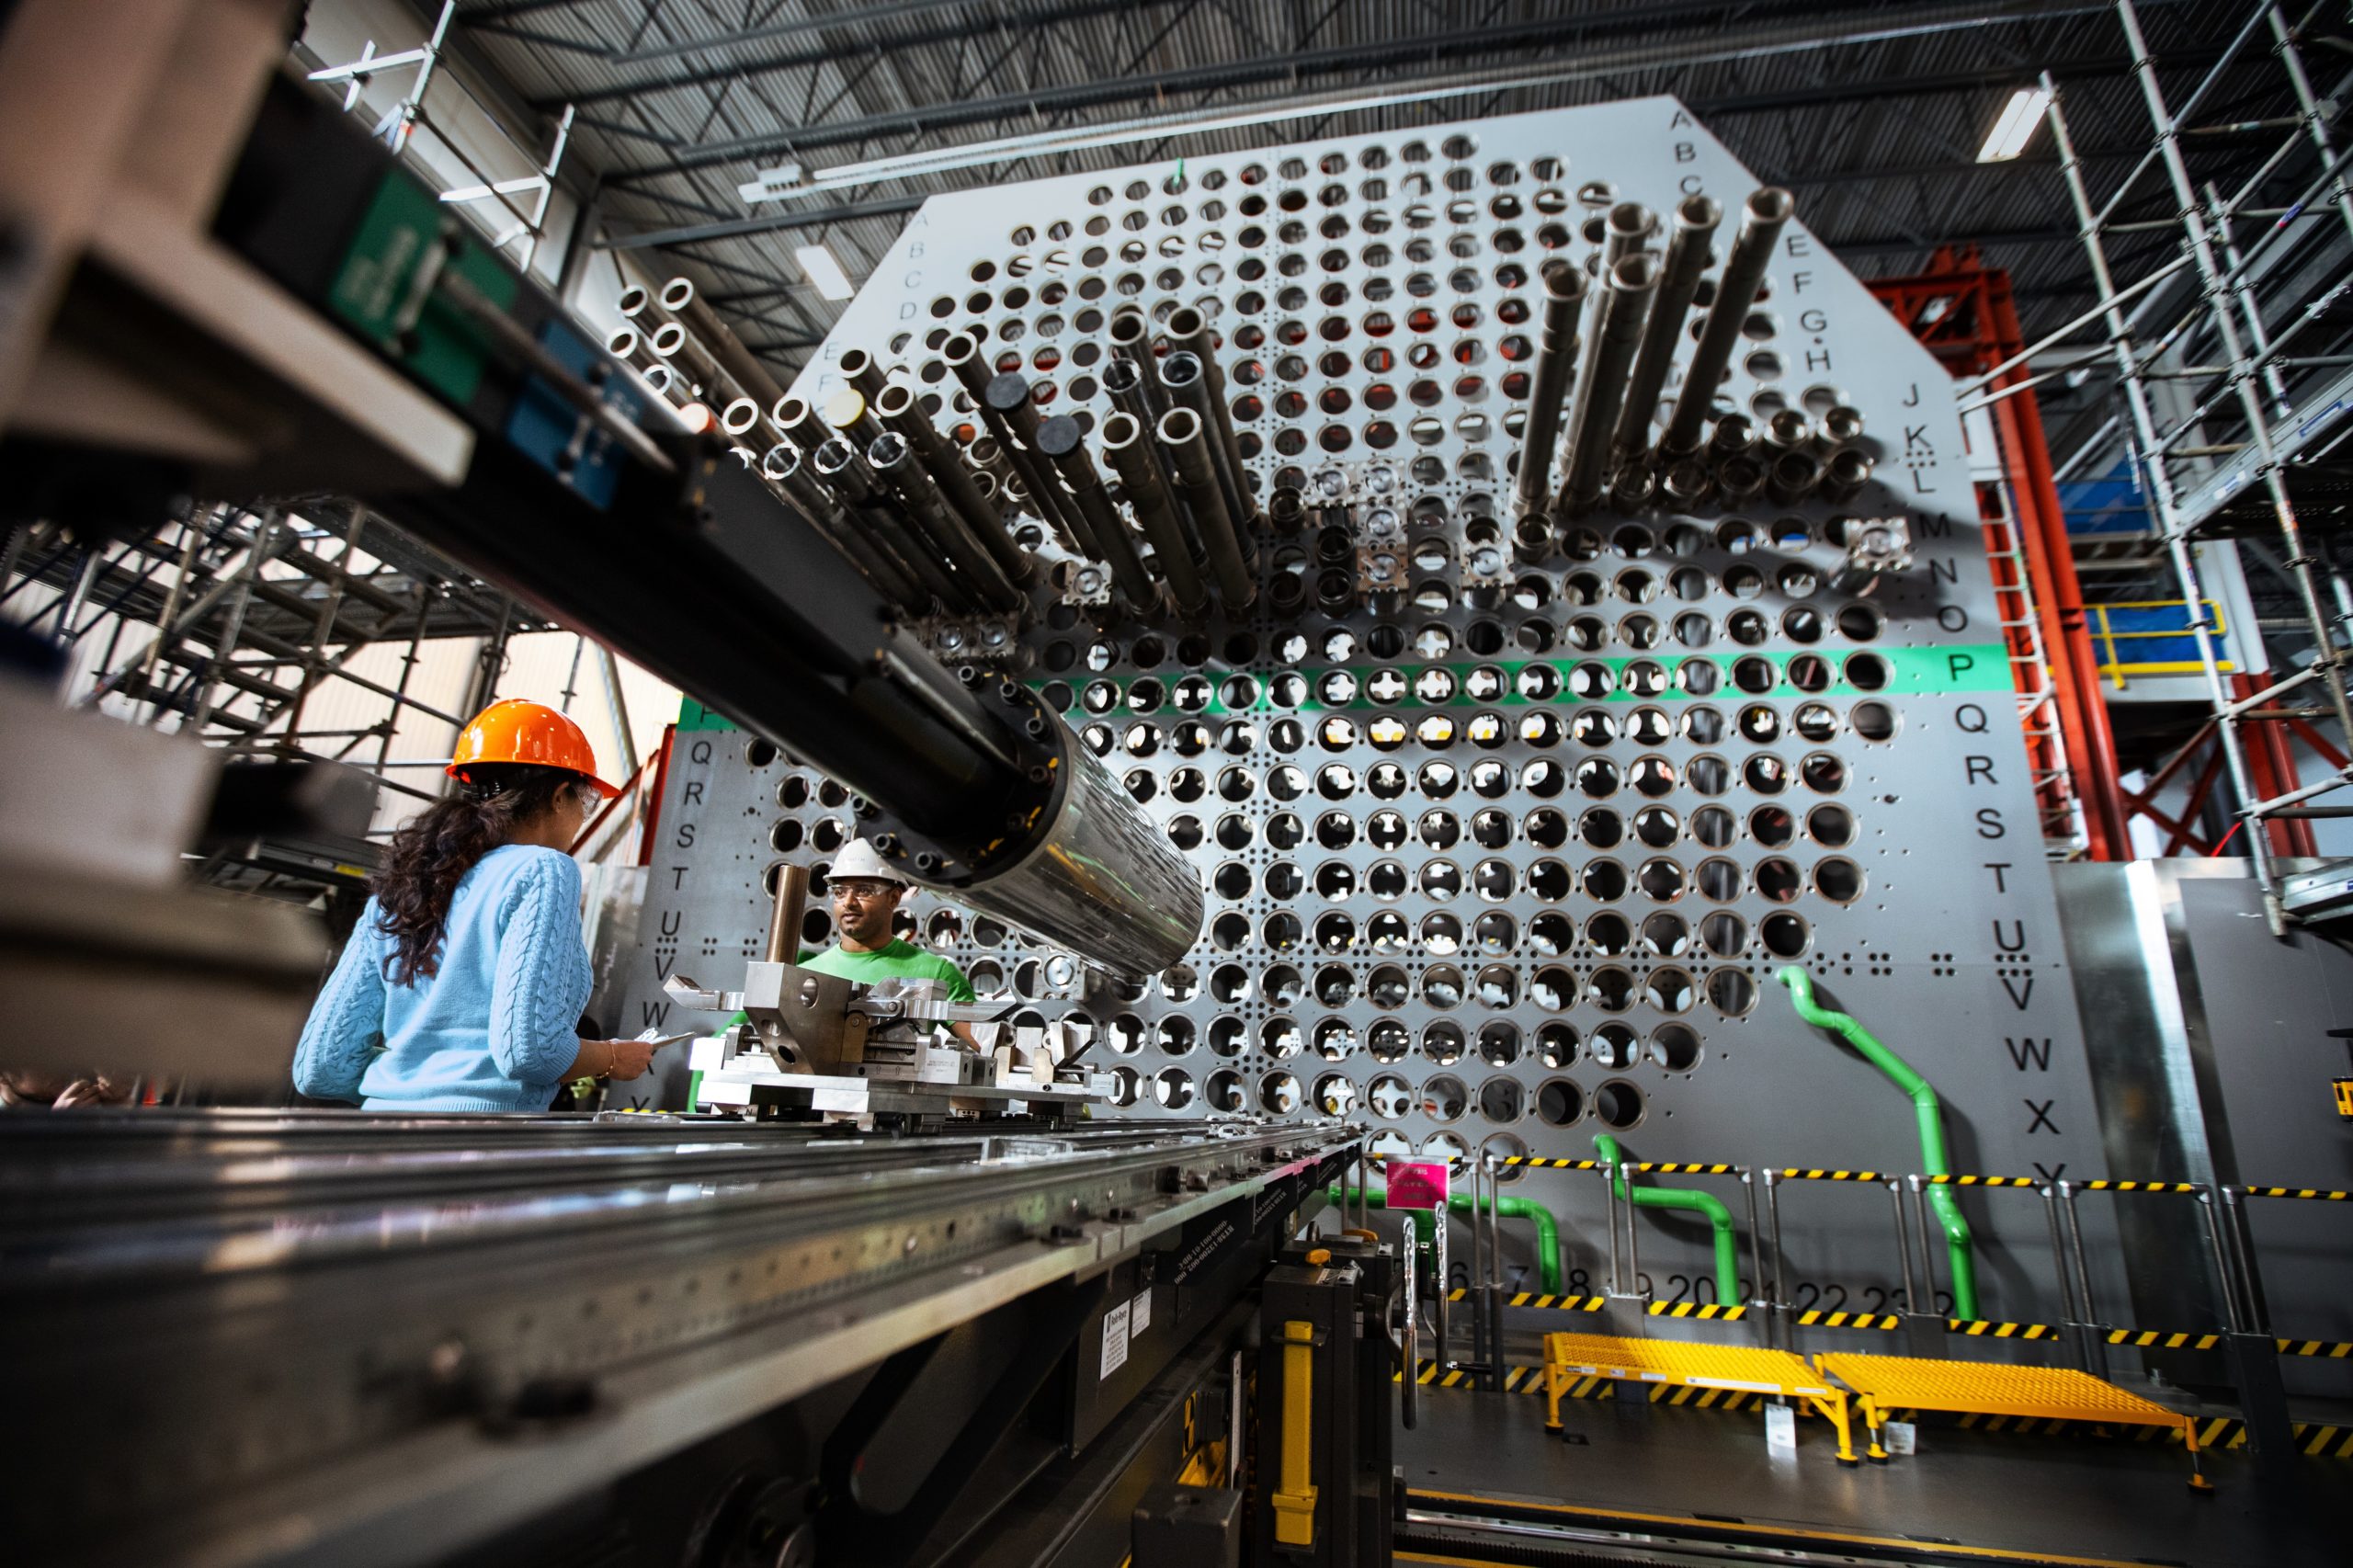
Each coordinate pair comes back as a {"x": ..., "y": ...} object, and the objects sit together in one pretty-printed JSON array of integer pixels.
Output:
[{"x": 1413, "y": 1185}]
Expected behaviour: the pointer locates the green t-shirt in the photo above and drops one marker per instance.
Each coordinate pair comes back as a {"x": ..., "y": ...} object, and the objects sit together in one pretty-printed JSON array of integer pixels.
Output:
[{"x": 901, "y": 960}]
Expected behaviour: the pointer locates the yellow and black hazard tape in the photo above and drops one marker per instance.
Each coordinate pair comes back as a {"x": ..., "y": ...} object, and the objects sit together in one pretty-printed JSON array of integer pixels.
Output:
[
  {"x": 2327, "y": 1349},
  {"x": 2316, "y": 1193},
  {"x": 1702, "y": 1311},
  {"x": 1986, "y": 1328},
  {"x": 1982, "y": 1181},
  {"x": 1799, "y": 1173},
  {"x": 1536, "y": 1162},
  {"x": 2158, "y": 1338}
]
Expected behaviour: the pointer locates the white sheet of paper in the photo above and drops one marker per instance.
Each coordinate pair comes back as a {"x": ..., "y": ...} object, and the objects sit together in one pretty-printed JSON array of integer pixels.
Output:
[
  {"x": 1139, "y": 1313},
  {"x": 1115, "y": 1340},
  {"x": 1900, "y": 1438},
  {"x": 1781, "y": 1429}
]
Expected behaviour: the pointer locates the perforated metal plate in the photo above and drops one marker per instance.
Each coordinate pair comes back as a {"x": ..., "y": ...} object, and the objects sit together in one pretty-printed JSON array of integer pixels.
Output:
[{"x": 1511, "y": 857}]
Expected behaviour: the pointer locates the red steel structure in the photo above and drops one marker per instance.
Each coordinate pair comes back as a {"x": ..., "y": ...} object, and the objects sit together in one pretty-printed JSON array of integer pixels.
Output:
[{"x": 1961, "y": 311}]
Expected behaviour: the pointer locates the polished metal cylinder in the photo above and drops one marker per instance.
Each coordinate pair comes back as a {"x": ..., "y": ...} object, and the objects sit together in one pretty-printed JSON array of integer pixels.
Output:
[
  {"x": 663, "y": 379},
  {"x": 1634, "y": 489},
  {"x": 1101, "y": 880},
  {"x": 1792, "y": 477},
  {"x": 859, "y": 369},
  {"x": 871, "y": 508},
  {"x": 1688, "y": 483},
  {"x": 786, "y": 914},
  {"x": 1189, "y": 333},
  {"x": 627, "y": 345},
  {"x": 800, "y": 424},
  {"x": 1130, "y": 454},
  {"x": 691, "y": 360},
  {"x": 1696, "y": 218},
  {"x": 678, "y": 297},
  {"x": 1839, "y": 425},
  {"x": 896, "y": 406},
  {"x": 1531, "y": 540},
  {"x": 1136, "y": 393},
  {"x": 1847, "y": 471},
  {"x": 637, "y": 306},
  {"x": 1196, "y": 486},
  {"x": 1187, "y": 380},
  {"x": 846, "y": 414},
  {"x": 1064, "y": 446},
  {"x": 1761, "y": 221},
  {"x": 1008, "y": 399},
  {"x": 1631, "y": 285},
  {"x": 784, "y": 467},
  {"x": 1740, "y": 478},
  {"x": 1735, "y": 434},
  {"x": 1788, "y": 431},
  {"x": 892, "y": 456},
  {"x": 1627, "y": 229},
  {"x": 1037, "y": 495},
  {"x": 1547, "y": 380},
  {"x": 738, "y": 418}
]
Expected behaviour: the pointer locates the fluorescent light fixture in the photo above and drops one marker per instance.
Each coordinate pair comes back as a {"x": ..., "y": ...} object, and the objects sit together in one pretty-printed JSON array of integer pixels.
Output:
[
  {"x": 2016, "y": 127},
  {"x": 817, "y": 263}
]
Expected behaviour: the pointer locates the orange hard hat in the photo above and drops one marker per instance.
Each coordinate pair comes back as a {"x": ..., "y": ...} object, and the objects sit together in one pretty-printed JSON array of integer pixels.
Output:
[{"x": 517, "y": 731}]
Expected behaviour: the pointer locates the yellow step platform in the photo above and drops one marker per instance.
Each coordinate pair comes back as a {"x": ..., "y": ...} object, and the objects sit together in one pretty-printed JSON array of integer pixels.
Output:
[
  {"x": 1568, "y": 1357},
  {"x": 1883, "y": 1383}
]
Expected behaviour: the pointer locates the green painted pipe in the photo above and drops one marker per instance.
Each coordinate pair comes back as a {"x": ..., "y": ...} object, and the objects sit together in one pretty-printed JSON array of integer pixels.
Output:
[
  {"x": 1547, "y": 1229},
  {"x": 1930, "y": 1115},
  {"x": 1718, "y": 1217}
]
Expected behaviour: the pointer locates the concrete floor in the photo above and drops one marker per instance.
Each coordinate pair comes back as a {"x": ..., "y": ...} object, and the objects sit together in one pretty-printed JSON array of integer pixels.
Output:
[{"x": 2069, "y": 1496}]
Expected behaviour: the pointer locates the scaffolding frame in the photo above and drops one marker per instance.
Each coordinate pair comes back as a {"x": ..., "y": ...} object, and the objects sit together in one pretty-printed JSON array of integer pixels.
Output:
[{"x": 2270, "y": 406}]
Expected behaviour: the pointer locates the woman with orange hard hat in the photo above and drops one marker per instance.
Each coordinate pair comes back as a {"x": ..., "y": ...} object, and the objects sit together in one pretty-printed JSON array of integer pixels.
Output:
[{"x": 462, "y": 984}]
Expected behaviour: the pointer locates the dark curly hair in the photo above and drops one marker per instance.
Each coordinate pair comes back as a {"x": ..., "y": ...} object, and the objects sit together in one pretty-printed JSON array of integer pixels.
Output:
[{"x": 435, "y": 849}]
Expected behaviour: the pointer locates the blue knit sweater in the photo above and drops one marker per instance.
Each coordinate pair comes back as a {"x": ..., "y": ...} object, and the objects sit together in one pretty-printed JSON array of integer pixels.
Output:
[{"x": 493, "y": 1029}]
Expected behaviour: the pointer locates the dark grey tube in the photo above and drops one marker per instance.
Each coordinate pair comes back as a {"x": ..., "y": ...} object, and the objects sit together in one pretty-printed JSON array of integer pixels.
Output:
[
  {"x": 1135, "y": 393},
  {"x": 963, "y": 357},
  {"x": 1180, "y": 432},
  {"x": 1736, "y": 434},
  {"x": 783, "y": 467},
  {"x": 1064, "y": 444},
  {"x": 1741, "y": 478},
  {"x": 1547, "y": 380},
  {"x": 859, "y": 369},
  {"x": 1793, "y": 477},
  {"x": 1189, "y": 333},
  {"x": 1788, "y": 431},
  {"x": 1131, "y": 458},
  {"x": 896, "y": 406},
  {"x": 1760, "y": 230},
  {"x": 893, "y": 458},
  {"x": 800, "y": 424},
  {"x": 1696, "y": 218},
  {"x": 1631, "y": 284},
  {"x": 1635, "y": 488},
  {"x": 1008, "y": 397},
  {"x": 870, "y": 507},
  {"x": 1187, "y": 382},
  {"x": 678, "y": 298}
]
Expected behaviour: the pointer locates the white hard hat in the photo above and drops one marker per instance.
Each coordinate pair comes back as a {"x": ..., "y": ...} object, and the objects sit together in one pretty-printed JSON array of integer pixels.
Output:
[{"x": 857, "y": 860}]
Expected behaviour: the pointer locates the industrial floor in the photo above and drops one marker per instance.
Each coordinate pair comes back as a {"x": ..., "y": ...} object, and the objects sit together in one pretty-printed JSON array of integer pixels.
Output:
[{"x": 2012, "y": 1497}]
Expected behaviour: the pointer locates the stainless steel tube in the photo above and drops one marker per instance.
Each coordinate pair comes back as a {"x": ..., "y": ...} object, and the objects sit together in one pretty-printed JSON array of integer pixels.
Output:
[
  {"x": 1131, "y": 458},
  {"x": 1180, "y": 432},
  {"x": 1631, "y": 284},
  {"x": 1735, "y": 434},
  {"x": 1847, "y": 471},
  {"x": 627, "y": 344},
  {"x": 738, "y": 418},
  {"x": 1741, "y": 479},
  {"x": 691, "y": 360},
  {"x": 1189, "y": 333},
  {"x": 784, "y": 467},
  {"x": 1628, "y": 229},
  {"x": 894, "y": 461},
  {"x": 896, "y": 406},
  {"x": 1635, "y": 488},
  {"x": 784, "y": 917},
  {"x": 1548, "y": 382},
  {"x": 869, "y": 506},
  {"x": 1135, "y": 393},
  {"x": 637, "y": 306},
  {"x": 1696, "y": 218},
  {"x": 963, "y": 355},
  {"x": 1788, "y": 430},
  {"x": 1839, "y": 425},
  {"x": 1743, "y": 273},
  {"x": 859, "y": 369},
  {"x": 1793, "y": 477},
  {"x": 678, "y": 298},
  {"x": 1064, "y": 446},
  {"x": 800, "y": 424},
  {"x": 1186, "y": 379}
]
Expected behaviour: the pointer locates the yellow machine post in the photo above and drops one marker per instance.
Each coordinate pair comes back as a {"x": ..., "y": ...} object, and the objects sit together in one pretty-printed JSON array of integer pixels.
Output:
[{"x": 1295, "y": 1497}]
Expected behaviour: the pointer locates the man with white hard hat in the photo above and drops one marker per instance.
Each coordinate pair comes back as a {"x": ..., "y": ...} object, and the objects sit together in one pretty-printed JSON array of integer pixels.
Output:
[{"x": 866, "y": 891}]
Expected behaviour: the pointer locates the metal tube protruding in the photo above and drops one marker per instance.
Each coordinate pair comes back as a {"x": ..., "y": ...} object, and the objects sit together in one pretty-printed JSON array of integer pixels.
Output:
[
  {"x": 1839, "y": 425},
  {"x": 1131, "y": 458},
  {"x": 662, "y": 378},
  {"x": 1634, "y": 489},
  {"x": 1793, "y": 476},
  {"x": 1788, "y": 430},
  {"x": 1736, "y": 434},
  {"x": 691, "y": 360},
  {"x": 1135, "y": 393},
  {"x": 1743, "y": 273},
  {"x": 1064, "y": 444},
  {"x": 1846, "y": 471},
  {"x": 1688, "y": 483},
  {"x": 678, "y": 298},
  {"x": 1548, "y": 382},
  {"x": 893, "y": 458},
  {"x": 871, "y": 510},
  {"x": 784, "y": 919},
  {"x": 962, "y": 353},
  {"x": 896, "y": 406},
  {"x": 1741, "y": 478},
  {"x": 625, "y": 344},
  {"x": 788, "y": 475},
  {"x": 1189, "y": 333},
  {"x": 1632, "y": 283},
  {"x": 1628, "y": 230},
  {"x": 739, "y": 416},
  {"x": 1180, "y": 432},
  {"x": 1186, "y": 379},
  {"x": 800, "y": 424},
  {"x": 1696, "y": 218},
  {"x": 859, "y": 369},
  {"x": 637, "y": 306},
  {"x": 1008, "y": 397}
]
